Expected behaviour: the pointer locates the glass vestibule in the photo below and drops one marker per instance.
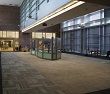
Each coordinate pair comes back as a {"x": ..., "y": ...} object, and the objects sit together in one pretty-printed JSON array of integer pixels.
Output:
[{"x": 46, "y": 47}]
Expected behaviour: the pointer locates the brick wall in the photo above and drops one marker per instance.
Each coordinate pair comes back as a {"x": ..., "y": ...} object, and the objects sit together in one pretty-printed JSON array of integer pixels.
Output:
[
  {"x": 9, "y": 21},
  {"x": 24, "y": 39},
  {"x": 9, "y": 18}
]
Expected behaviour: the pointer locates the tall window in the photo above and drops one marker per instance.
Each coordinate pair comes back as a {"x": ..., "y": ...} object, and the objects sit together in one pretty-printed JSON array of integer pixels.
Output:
[
  {"x": 11, "y": 34},
  {"x": 4, "y": 34}
]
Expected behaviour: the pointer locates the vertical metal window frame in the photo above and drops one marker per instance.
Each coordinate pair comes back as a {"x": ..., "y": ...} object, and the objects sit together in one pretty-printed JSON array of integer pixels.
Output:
[
  {"x": 24, "y": 10},
  {"x": 47, "y": 1}
]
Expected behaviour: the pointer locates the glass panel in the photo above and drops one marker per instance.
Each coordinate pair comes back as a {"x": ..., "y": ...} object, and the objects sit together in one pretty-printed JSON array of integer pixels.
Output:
[
  {"x": 48, "y": 35},
  {"x": 93, "y": 39},
  {"x": 17, "y": 34},
  {"x": 54, "y": 35},
  {"x": 1, "y": 34},
  {"x": 4, "y": 34},
  {"x": 10, "y": 34},
  {"x": 38, "y": 35},
  {"x": 33, "y": 34},
  {"x": 44, "y": 35},
  {"x": 78, "y": 20},
  {"x": 16, "y": 43},
  {"x": 40, "y": 1},
  {"x": 65, "y": 24}
]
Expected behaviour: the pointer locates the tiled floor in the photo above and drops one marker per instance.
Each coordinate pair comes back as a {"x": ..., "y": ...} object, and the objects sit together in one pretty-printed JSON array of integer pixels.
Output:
[
  {"x": 19, "y": 77},
  {"x": 26, "y": 74}
]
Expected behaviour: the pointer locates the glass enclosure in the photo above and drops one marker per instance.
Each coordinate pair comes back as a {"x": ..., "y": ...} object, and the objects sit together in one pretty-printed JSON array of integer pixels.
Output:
[{"x": 46, "y": 46}]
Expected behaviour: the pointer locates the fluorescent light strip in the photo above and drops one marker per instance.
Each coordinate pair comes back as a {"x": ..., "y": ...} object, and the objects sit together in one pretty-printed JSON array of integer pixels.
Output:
[{"x": 66, "y": 8}]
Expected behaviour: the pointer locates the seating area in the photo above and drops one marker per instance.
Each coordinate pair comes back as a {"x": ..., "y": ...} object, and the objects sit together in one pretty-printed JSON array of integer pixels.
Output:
[{"x": 94, "y": 52}]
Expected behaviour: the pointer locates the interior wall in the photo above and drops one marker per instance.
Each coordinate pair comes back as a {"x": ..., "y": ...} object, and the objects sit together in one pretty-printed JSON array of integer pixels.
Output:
[
  {"x": 24, "y": 39},
  {"x": 52, "y": 29},
  {"x": 9, "y": 18}
]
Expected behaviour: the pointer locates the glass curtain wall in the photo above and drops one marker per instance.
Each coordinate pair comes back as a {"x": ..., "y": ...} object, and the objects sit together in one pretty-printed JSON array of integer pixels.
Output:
[
  {"x": 29, "y": 9},
  {"x": 88, "y": 33},
  {"x": 107, "y": 38}
]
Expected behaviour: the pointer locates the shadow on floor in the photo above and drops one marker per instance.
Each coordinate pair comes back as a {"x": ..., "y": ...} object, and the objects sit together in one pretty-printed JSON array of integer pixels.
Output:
[{"x": 105, "y": 91}]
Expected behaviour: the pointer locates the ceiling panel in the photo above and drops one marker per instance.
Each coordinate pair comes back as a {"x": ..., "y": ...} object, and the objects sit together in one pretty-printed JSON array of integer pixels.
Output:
[
  {"x": 101, "y": 2},
  {"x": 11, "y": 2}
]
